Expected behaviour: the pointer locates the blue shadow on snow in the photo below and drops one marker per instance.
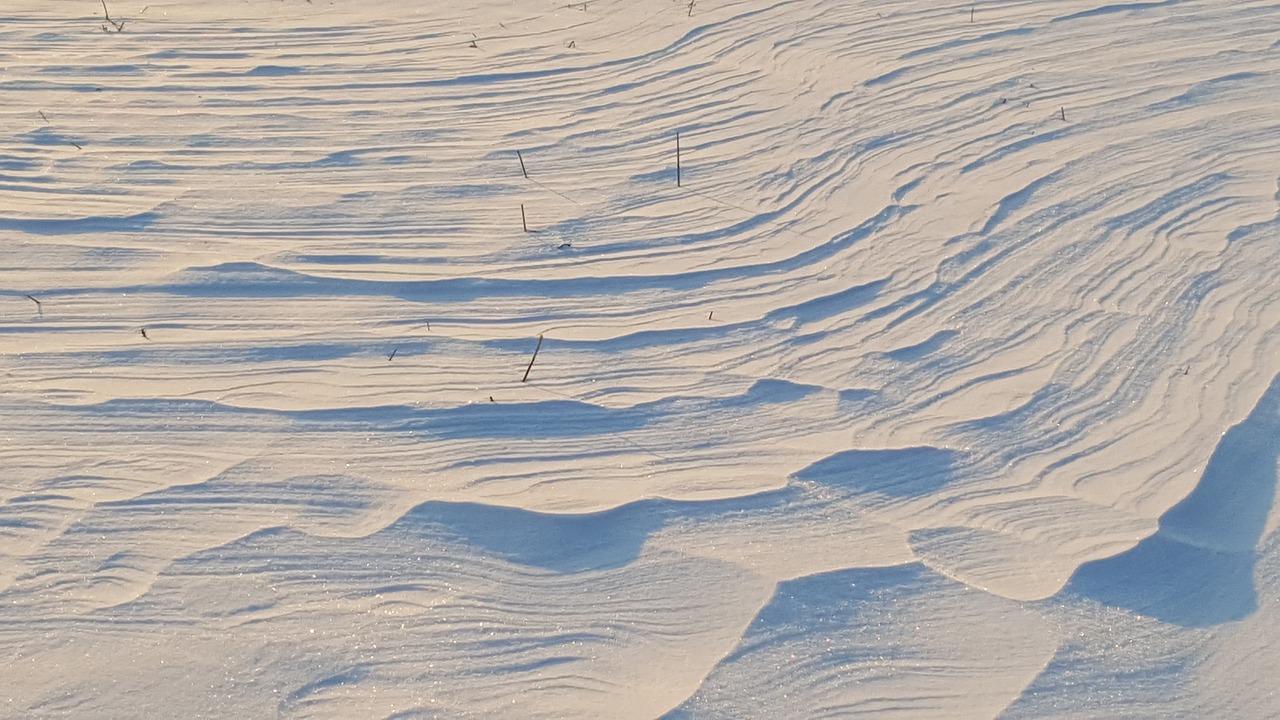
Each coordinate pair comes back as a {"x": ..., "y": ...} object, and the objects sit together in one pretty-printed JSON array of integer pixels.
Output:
[
  {"x": 909, "y": 472},
  {"x": 1197, "y": 569},
  {"x": 72, "y": 226},
  {"x": 563, "y": 543}
]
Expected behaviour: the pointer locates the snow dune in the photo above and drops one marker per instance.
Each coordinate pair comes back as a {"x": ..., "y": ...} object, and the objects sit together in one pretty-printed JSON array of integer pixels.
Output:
[{"x": 945, "y": 383}]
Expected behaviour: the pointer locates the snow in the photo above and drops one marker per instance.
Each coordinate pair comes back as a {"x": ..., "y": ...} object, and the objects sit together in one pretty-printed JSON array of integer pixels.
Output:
[{"x": 943, "y": 384}]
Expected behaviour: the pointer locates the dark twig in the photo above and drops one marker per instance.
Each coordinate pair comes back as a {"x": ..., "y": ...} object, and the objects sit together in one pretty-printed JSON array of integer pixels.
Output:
[
  {"x": 144, "y": 333},
  {"x": 972, "y": 9},
  {"x": 521, "y": 158},
  {"x": 119, "y": 26},
  {"x": 523, "y": 220},
  {"x": 39, "y": 307},
  {"x": 43, "y": 116},
  {"x": 535, "y": 357},
  {"x": 677, "y": 159},
  {"x": 1063, "y": 110},
  {"x": 393, "y": 354}
]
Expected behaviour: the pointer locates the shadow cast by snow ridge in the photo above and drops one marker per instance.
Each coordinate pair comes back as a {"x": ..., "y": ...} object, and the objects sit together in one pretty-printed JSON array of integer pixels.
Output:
[
  {"x": 1197, "y": 570},
  {"x": 81, "y": 225},
  {"x": 855, "y": 642},
  {"x": 908, "y": 472},
  {"x": 528, "y": 420},
  {"x": 562, "y": 543},
  {"x": 571, "y": 543},
  {"x": 616, "y": 537}
]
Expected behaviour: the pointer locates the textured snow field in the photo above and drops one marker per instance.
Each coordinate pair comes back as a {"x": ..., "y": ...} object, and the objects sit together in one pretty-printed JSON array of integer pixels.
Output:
[{"x": 947, "y": 384}]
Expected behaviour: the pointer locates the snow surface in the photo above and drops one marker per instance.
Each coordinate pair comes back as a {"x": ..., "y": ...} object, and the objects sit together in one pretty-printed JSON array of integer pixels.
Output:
[{"x": 945, "y": 384}]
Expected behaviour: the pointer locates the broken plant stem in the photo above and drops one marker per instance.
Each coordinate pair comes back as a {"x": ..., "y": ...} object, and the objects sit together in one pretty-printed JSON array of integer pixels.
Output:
[
  {"x": 119, "y": 26},
  {"x": 535, "y": 357}
]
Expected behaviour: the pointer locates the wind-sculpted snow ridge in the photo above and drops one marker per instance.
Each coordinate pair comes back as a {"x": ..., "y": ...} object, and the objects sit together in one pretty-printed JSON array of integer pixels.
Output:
[{"x": 944, "y": 383}]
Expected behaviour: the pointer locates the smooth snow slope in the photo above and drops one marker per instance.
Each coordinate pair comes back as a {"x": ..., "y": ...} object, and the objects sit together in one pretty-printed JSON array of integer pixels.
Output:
[{"x": 947, "y": 384}]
